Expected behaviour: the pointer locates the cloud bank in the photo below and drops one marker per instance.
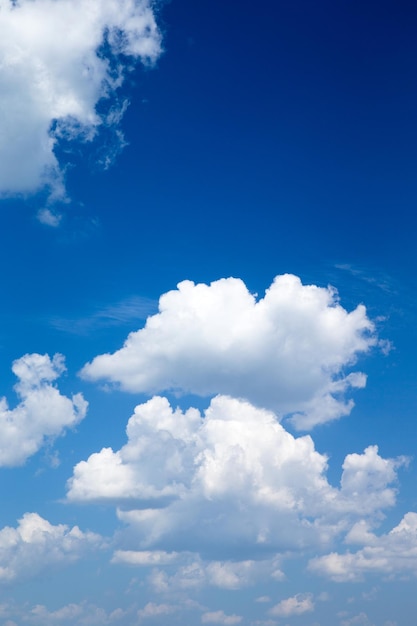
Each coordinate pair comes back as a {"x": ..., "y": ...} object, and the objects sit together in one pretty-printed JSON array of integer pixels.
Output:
[
  {"x": 42, "y": 413},
  {"x": 288, "y": 351},
  {"x": 58, "y": 60}
]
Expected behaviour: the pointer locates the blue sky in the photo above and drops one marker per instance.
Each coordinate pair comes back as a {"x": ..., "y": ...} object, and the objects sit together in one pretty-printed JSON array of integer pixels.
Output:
[{"x": 208, "y": 332}]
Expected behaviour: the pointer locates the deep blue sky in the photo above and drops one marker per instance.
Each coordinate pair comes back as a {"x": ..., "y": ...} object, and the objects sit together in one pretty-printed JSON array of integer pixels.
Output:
[{"x": 268, "y": 138}]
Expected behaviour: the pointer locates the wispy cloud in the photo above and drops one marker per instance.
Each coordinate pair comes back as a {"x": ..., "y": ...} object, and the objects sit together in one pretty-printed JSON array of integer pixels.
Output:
[
  {"x": 376, "y": 279},
  {"x": 119, "y": 314}
]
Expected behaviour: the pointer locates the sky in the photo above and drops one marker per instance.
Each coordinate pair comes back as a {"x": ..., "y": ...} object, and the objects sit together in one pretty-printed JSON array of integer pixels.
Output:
[{"x": 208, "y": 331}]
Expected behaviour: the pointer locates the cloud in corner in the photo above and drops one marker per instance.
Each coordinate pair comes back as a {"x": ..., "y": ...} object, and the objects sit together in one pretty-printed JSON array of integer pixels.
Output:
[{"x": 58, "y": 61}]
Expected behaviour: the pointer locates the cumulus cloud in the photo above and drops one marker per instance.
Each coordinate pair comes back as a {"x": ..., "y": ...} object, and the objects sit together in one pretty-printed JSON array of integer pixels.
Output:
[
  {"x": 231, "y": 479},
  {"x": 287, "y": 351},
  {"x": 192, "y": 572},
  {"x": 394, "y": 553},
  {"x": 42, "y": 411},
  {"x": 296, "y": 605},
  {"x": 35, "y": 544},
  {"x": 59, "y": 60}
]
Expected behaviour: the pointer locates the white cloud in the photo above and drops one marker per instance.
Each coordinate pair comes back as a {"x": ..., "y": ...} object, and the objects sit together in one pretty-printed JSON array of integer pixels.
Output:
[
  {"x": 35, "y": 544},
  {"x": 195, "y": 573},
  {"x": 219, "y": 617},
  {"x": 230, "y": 575},
  {"x": 296, "y": 605},
  {"x": 231, "y": 479},
  {"x": 58, "y": 61},
  {"x": 42, "y": 412},
  {"x": 144, "y": 558},
  {"x": 394, "y": 553},
  {"x": 89, "y": 614},
  {"x": 287, "y": 351},
  {"x": 49, "y": 218},
  {"x": 154, "y": 610},
  {"x": 366, "y": 477},
  {"x": 357, "y": 620},
  {"x": 82, "y": 614}
]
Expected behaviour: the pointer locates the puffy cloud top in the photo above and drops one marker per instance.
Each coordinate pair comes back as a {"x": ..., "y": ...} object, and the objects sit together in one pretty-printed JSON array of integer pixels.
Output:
[
  {"x": 287, "y": 351},
  {"x": 57, "y": 61},
  {"x": 394, "y": 553},
  {"x": 36, "y": 544},
  {"x": 296, "y": 605},
  {"x": 233, "y": 477}
]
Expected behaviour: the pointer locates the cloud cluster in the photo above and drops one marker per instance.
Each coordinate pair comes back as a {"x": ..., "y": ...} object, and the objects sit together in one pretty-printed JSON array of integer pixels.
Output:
[
  {"x": 82, "y": 614},
  {"x": 43, "y": 412},
  {"x": 193, "y": 573},
  {"x": 232, "y": 480},
  {"x": 58, "y": 61},
  {"x": 36, "y": 544},
  {"x": 389, "y": 554},
  {"x": 288, "y": 351}
]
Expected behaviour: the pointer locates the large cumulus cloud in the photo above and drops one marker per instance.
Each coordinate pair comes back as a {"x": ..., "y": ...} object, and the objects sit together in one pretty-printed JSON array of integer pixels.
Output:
[
  {"x": 289, "y": 351},
  {"x": 57, "y": 61},
  {"x": 230, "y": 482}
]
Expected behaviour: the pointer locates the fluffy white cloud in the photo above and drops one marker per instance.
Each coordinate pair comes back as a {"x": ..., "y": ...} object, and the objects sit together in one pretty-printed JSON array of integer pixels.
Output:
[
  {"x": 191, "y": 573},
  {"x": 58, "y": 60},
  {"x": 220, "y": 617},
  {"x": 42, "y": 412},
  {"x": 296, "y": 605},
  {"x": 230, "y": 575},
  {"x": 366, "y": 477},
  {"x": 392, "y": 553},
  {"x": 287, "y": 351},
  {"x": 231, "y": 480},
  {"x": 36, "y": 544}
]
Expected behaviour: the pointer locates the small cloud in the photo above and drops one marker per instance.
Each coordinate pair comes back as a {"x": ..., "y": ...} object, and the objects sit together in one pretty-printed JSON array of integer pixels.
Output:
[
  {"x": 48, "y": 218},
  {"x": 380, "y": 281},
  {"x": 144, "y": 558},
  {"x": 297, "y": 605},
  {"x": 154, "y": 610},
  {"x": 219, "y": 617}
]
